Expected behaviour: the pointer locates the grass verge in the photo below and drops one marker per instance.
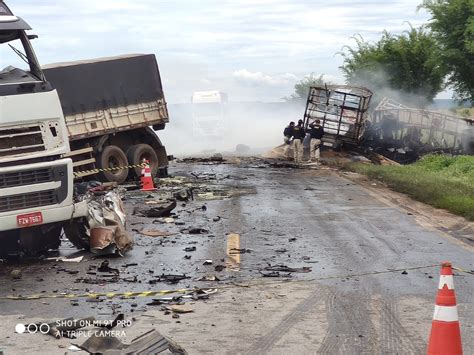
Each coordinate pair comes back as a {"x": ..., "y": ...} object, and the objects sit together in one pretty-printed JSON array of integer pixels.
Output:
[{"x": 441, "y": 181}]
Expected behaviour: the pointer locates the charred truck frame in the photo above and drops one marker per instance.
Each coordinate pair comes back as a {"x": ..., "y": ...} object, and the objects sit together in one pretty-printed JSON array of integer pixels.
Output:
[
  {"x": 342, "y": 112},
  {"x": 404, "y": 134}
]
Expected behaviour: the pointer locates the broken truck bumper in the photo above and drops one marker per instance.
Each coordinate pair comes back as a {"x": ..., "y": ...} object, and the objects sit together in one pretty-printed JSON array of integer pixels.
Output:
[{"x": 37, "y": 194}]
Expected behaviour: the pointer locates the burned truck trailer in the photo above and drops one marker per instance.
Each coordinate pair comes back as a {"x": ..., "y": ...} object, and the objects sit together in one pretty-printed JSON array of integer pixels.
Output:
[
  {"x": 342, "y": 112},
  {"x": 404, "y": 134},
  {"x": 110, "y": 105}
]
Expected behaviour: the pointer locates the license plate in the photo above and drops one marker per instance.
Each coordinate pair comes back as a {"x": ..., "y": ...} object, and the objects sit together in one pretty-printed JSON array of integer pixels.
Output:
[{"x": 30, "y": 219}]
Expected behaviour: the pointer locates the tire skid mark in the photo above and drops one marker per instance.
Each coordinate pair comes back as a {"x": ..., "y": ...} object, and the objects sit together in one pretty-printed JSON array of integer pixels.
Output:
[
  {"x": 396, "y": 339},
  {"x": 350, "y": 326},
  {"x": 266, "y": 343}
]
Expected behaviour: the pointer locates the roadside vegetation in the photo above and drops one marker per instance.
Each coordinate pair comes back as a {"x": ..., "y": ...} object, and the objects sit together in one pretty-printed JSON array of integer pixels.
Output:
[
  {"x": 442, "y": 181},
  {"x": 414, "y": 66}
]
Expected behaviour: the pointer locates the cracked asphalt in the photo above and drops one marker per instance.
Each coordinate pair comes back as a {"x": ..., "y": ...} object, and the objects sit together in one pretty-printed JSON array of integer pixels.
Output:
[{"x": 360, "y": 294}]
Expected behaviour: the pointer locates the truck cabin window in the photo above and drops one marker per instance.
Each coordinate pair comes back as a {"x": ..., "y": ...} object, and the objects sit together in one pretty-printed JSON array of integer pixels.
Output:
[{"x": 13, "y": 62}]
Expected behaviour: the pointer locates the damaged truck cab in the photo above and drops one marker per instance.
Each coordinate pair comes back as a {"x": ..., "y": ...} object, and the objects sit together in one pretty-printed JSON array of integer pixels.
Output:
[{"x": 36, "y": 180}]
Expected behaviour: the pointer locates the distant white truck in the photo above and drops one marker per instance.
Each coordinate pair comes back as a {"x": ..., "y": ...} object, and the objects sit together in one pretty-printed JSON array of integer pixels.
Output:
[{"x": 208, "y": 108}]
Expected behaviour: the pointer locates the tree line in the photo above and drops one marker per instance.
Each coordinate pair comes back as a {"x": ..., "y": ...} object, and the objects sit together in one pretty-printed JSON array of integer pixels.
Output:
[{"x": 419, "y": 63}]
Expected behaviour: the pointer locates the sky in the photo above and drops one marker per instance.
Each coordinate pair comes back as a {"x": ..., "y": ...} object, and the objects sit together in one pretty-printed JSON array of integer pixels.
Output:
[{"x": 252, "y": 50}]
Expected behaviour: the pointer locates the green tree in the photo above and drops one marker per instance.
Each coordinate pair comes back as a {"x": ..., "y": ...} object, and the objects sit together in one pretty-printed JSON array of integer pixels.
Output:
[
  {"x": 453, "y": 25},
  {"x": 406, "y": 63},
  {"x": 302, "y": 87}
]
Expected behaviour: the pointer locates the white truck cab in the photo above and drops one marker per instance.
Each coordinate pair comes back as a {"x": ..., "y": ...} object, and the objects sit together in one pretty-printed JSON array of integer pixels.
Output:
[
  {"x": 36, "y": 181},
  {"x": 208, "y": 109}
]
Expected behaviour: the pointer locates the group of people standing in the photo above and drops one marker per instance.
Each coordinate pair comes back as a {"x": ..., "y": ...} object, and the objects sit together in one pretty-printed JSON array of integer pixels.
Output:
[{"x": 294, "y": 136}]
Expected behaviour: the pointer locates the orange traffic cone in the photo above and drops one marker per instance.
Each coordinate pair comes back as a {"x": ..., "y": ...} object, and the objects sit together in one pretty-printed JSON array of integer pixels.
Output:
[
  {"x": 445, "y": 338},
  {"x": 146, "y": 179}
]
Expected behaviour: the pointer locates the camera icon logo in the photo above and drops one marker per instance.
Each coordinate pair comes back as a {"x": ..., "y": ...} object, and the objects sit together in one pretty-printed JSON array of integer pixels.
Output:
[{"x": 32, "y": 328}]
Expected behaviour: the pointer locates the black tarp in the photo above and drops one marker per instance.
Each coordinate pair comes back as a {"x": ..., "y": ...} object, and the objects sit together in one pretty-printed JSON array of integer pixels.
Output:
[{"x": 102, "y": 83}]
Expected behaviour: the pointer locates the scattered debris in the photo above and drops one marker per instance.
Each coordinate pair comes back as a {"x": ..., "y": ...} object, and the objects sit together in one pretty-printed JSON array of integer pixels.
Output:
[
  {"x": 284, "y": 268},
  {"x": 274, "y": 274},
  {"x": 151, "y": 342},
  {"x": 101, "y": 240},
  {"x": 168, "y": 278},
  {"x": 16, "y": 274},
  {"x": 194, "y": 230},
  {"x": 239, "y": 251},
  {"x": 97, "y": 281},
  {"x": 196, "y": 295},
  {"x": 105, "y": 225},
  {"x": 164, "y": 210},
  {"x": 156, "y": 233},
  {"x": 219, "y": 268},
  {"x": 207, "y": 262},
  {"x": 184, "y": 195},
  {"x": 216, "y": 158},
  {"x": 104, "y": 267},
  {"x": 66, "y": 259},
  {"x": 180, "y": 309},
  {"x": 209, "y": 278},
  {"x": 131, "y": 264}
]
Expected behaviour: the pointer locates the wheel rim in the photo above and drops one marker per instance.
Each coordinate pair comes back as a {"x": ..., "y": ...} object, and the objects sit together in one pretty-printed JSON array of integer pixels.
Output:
[{"x": 113, "y": 163}]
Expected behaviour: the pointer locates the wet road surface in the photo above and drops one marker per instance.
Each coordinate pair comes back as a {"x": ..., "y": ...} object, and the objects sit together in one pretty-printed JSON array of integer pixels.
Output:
[{"x": 294, "y": 217}]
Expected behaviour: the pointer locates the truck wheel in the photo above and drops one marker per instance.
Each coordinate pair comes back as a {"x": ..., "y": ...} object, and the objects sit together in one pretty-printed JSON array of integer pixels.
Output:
[
  {"x": 112, "y": 157},
  {"x": 76, "y": 232},
  {"x": 136, "y": 154}
]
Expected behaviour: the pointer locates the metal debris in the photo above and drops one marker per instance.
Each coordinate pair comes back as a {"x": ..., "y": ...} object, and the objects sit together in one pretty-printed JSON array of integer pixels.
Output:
[
  {"x": 168, "y": 278},
  {"x": 104, "y": 267},
  {"x": 151, "y": 342},
  {"x": 163, "y": 210},
  {"x": 284, "y": 268},
  {"x": 194, "y": 230}
]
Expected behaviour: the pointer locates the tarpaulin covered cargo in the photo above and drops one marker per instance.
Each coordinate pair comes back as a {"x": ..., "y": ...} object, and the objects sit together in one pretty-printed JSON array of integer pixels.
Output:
[{"x": 107, "y": 95}]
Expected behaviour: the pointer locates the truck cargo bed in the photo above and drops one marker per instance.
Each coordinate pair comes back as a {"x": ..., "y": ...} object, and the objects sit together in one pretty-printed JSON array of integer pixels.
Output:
[{"x": 107, "y": 95}]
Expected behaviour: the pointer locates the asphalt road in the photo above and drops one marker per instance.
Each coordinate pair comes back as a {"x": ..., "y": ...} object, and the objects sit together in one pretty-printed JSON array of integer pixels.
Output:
[{"x": 355, "y": 299}]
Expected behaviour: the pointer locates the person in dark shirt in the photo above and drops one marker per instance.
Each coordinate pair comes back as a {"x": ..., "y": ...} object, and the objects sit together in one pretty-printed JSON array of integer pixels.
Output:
[
  {"x": 287, "y": 134},
  {"x": 316, "y": 133},
  {"x": 297, "y": 144}
]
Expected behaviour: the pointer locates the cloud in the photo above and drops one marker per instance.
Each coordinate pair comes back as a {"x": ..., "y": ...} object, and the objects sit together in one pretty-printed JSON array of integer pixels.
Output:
[
  {"x": 234, "y": 44},
  {"x": 258, "y": 78}
]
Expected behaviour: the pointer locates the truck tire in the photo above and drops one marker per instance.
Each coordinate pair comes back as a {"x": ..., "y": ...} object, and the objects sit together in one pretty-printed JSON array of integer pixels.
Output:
[
  {"x": 112, "y": 157},
  {"x": 32, "y": 241},
  {"x": 136, "y": 154},
  {"x": 76, "y": 232}
]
